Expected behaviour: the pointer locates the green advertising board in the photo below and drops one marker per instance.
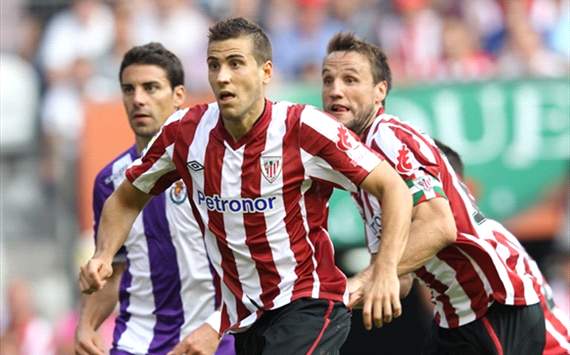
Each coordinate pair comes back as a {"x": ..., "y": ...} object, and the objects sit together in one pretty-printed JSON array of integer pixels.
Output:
[{"x": 514, "y": 137}]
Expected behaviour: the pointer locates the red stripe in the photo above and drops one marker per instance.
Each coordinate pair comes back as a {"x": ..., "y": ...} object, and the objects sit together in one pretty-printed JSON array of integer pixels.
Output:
[
  {"x": 254, "y": 223},
  {"x": 323, "y": 329},
  {"x": 225, "y": 322},
  {"x": 293, "y": 175},
  {"x": 332, "y": 280},
  {"x": 493, "y": 336},
  {"x": 184, "y": 140},
  {"x": 553, "y": 346},
  {"x": 212, "y": 185},
  {"x": 439, "y": 171},
  {"x": 485, "y": 262},
  {"x": 442, "y": 297},
  {"x": 152, "y": 155},
  {"x": 512, "y": 260},
  {"x": 468, "y": 279}
]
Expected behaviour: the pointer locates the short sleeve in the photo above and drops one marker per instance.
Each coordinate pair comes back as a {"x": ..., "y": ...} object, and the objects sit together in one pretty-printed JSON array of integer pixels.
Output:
[
  {"x": 335, "y": 154},
  {"x": 155, "y": 171}
]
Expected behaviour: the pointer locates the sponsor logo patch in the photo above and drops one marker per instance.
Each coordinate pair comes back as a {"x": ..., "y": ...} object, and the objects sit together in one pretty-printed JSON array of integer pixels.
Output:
[{"x": 195, "y": 166}]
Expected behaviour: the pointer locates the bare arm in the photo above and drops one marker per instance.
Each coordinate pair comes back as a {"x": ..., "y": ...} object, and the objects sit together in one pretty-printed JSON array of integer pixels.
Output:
[
  {"x": 119, "y": 213},
  {"x": 433, "y": 228},
  {"x": 95, "y": 308},
  {"x": 381, "y": 295}
]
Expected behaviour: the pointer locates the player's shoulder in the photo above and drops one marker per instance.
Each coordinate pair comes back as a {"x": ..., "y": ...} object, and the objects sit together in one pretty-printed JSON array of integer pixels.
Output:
[{"x": 116, "y": 168}]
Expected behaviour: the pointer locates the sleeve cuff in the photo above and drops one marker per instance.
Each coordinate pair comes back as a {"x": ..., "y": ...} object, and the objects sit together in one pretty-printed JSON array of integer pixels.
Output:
[{"x": 215, "y": 320}]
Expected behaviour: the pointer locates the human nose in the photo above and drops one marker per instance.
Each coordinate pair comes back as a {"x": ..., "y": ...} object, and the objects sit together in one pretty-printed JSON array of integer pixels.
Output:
[
  {"x": 334, "y": 90},
  {"x": 223, "y": 75},
  {"x": 139, "y": 97}
]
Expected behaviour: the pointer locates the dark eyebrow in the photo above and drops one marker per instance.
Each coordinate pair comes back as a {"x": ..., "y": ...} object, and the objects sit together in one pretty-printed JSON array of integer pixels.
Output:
[{"x": 231, "y": 56}]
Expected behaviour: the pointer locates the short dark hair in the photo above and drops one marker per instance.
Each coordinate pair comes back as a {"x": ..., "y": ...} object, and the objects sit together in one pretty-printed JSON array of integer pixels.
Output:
[
  {"x": 154, "y": 53},
  {"x": 238, "y": 26},
  {"x": 452, "y": 156},
  {"x": 349, "y": 42}
]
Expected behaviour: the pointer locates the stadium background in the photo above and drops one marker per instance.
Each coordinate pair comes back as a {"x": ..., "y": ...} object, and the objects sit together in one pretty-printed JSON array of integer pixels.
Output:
[{"x": 488, "y": 77}]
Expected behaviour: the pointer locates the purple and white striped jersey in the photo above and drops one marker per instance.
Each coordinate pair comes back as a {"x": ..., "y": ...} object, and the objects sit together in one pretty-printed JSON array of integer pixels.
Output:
[{"x": 167, "y": 289}]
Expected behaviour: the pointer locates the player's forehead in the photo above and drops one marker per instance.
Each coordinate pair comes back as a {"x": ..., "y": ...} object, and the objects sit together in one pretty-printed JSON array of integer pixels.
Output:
[
  {"x": 241, "y": 46},
  {"x": 345, "y": 62},
  {"x": 143, "y": 73}
]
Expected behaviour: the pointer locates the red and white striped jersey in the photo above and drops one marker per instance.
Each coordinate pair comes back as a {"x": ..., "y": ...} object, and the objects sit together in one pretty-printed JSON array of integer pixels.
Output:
[
  {"x": 480, "y": 267},
  {"x": 556, "y": 324},
  {"x": 262, "y": 199}
]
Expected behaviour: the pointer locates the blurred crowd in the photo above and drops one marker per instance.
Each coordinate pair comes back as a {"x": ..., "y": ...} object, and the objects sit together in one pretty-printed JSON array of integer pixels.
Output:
[
  {"x": 69, "y": 51},
  {"x": 55, "y": 55}
]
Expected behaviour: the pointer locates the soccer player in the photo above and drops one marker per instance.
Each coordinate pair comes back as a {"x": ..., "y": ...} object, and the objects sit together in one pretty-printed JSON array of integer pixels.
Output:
[
  {"x": 557, "y": 328},
  {"x": 161, "y": 275},
  {"x": 255, "y": 172},
  {"x": 485, "y": 299}
]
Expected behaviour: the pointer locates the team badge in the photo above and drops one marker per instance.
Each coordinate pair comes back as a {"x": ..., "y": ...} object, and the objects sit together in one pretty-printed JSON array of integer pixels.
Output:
[
  {"x": 178, "y": 192},
  {"x": 271, "y": 167}
]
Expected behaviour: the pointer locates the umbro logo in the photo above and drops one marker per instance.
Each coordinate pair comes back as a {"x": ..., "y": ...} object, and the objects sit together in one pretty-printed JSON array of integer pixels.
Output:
[{"x": 194, "y": 166}]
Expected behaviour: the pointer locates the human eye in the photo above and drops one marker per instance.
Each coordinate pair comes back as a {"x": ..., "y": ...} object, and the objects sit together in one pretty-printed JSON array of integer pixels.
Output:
[
  {"x": 212, "y": 65},
  {"x": 151, "y": 87},
  {"x": 127, "y": 89},
  {"x": 350, "y": 80},
  {"x": 327, "y": 80}
]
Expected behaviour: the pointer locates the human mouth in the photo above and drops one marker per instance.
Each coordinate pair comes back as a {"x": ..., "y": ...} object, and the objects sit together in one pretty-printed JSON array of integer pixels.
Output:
[
  {"x": 337, "y": 108},
  {"x": 226, "y": 96}
]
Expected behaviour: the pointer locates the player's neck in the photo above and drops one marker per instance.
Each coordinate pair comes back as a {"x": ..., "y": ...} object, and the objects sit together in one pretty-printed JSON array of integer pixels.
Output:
[
  {"x": 141, "y": 143},
  {"x": 240, "y": 126}
]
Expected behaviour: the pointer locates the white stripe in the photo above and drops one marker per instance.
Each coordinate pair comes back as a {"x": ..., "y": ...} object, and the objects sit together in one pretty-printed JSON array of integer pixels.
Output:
[
  {"x": 196, "y": 284},
  {"x": 328, "y": 127},
  {"x": 162, "y": 166},
  {"x": 317, "y": 167},
  {"x": 316, "y": 280},
  {"x": 140, "y": 328},
  {"x": 276, "y": 231},
  {"x": 458, "y": 298},
  {"x": 236, "y": 235}
]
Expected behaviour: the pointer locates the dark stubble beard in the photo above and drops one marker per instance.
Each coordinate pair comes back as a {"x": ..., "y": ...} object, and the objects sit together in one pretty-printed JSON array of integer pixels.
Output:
[{"x": 363, "y": 120}]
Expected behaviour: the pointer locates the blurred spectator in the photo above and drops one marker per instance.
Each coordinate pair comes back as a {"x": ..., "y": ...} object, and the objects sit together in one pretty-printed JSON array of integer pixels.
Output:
[
  {"x": 358, "y": 16},
  {"x": 62, "y": 121},
  {"x": 485, "y": 20},
  {"x": 462, "y": 57},
  {"x": 26, "y": 333},
  {"x": 103, "y": 85},
  {"x": 299, "y": 50},
  {"x": 181, "y": 26},
  {"x": 84, "y": 31},
  {"x": 412, "y": 40},
  {"x": 526, "y": 55},
  {"x": 19, "y": 104}
]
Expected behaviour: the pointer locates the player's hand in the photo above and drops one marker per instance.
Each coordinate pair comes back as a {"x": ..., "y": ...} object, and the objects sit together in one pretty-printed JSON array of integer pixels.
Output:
[
  {"x": 381, "y": 298},
  {"x": 355, "y": 291},
  {"x": 202, "y": 341},
  {"x": 88, "y": 342},
  {"x": 94, "y": 275}
]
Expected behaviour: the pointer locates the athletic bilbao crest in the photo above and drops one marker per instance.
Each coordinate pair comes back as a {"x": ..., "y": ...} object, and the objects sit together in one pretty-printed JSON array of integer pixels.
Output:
[{"x": 271, "y": 168}]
